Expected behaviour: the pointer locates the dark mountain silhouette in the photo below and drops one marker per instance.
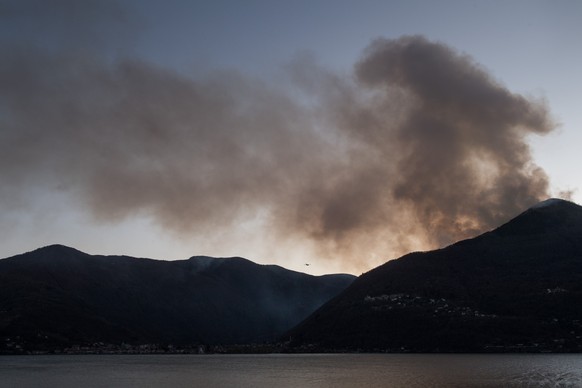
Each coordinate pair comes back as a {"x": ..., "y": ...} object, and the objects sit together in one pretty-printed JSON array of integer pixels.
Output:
[
  {"x": 516, "y": 288},
  {"x": 56, "y": 296}
]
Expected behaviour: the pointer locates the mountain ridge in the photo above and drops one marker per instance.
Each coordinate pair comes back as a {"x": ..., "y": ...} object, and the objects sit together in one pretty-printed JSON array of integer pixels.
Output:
[{"x": 57, "y": 296}]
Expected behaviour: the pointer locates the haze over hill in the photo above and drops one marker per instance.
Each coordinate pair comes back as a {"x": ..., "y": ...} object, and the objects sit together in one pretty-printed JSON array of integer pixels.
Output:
[
  {"x": 516, "y": 288},
  {"x": 57, "y": 296}
]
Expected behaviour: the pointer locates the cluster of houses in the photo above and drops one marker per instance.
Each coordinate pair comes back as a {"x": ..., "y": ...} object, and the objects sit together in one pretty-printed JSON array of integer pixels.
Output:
[{"x": 438, "y": 306}]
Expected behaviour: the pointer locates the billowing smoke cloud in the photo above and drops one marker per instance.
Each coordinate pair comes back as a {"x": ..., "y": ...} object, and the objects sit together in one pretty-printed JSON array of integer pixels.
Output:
[
  {"x": 420, "y": 148},
  {"x": 463, "y": 164}
]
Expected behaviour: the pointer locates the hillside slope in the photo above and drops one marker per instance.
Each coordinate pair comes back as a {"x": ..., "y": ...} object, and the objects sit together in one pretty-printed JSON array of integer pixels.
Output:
[{"x": 516, "y": 288}]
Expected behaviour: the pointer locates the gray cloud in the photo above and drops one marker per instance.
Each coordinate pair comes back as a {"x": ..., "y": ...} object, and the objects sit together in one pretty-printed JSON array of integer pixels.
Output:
[{"x": 420, "y": 148}]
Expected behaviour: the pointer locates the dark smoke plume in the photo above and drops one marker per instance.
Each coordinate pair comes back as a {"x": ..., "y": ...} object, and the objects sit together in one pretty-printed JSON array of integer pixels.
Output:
[
  {"x": 463, "y": 164},
  {"x": 421, "y": 148}
]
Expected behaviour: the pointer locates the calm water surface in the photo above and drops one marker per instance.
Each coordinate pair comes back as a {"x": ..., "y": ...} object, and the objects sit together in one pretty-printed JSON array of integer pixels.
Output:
[{"x": 341, "y": 370}]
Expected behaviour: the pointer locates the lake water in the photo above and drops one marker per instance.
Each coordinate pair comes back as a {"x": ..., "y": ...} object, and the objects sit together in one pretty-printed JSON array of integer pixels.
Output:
[{"x": 278, "y": 370}]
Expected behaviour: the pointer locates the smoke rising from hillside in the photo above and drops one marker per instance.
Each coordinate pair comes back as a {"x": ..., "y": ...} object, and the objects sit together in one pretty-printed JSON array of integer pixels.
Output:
[{"x": 420, "y": 148}]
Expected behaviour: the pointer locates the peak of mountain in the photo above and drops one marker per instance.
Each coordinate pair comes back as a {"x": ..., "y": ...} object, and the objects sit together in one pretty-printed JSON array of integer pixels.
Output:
[
  {"x": 556, "y": 208},
  {"x": 515, "y": 288},
  {"x": 552, "y": 202},
  {"x": 57, "y": 296},
  {"x": 56, "y": 250},
  {"x": 545, "y": 219}
]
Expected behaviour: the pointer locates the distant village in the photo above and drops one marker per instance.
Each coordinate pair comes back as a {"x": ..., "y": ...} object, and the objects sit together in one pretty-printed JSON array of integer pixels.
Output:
[{"x": 16, "y": 346}]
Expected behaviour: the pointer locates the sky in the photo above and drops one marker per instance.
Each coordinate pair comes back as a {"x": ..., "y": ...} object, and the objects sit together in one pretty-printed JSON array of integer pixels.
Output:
[{"x": 338, "y": 134}]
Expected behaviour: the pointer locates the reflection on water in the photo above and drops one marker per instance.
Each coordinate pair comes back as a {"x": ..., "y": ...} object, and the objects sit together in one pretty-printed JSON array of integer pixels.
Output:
[{"x": 336, "y": 370}]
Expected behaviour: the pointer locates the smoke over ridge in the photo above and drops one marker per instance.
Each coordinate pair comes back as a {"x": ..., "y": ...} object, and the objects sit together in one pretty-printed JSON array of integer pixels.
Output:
[{"x": 420, "y": 148}]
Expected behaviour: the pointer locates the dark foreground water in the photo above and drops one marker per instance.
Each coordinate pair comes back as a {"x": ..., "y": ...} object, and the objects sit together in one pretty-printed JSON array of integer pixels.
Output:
[{"x": 340, "y": 370}]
